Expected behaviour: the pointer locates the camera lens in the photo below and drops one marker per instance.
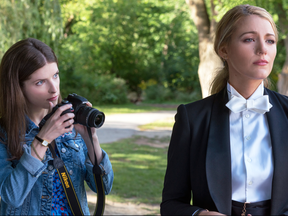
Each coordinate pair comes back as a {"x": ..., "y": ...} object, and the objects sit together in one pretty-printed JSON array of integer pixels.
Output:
[{"x": 89, "y": 116}]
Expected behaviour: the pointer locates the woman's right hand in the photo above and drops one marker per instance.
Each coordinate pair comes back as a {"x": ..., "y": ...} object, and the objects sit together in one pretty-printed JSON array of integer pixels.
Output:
[{"x": 57, "y": 125}]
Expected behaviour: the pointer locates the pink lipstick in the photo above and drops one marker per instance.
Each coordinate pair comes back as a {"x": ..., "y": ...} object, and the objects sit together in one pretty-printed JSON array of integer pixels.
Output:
[
  {"x": 261, "y": 62},
  {"x": 53, "y": 98}
]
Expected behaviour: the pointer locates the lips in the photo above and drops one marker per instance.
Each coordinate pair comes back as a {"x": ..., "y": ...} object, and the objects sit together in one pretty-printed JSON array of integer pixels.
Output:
[
  {"x": 261, "y": 62},
  {"x": 53, "y": 98}
]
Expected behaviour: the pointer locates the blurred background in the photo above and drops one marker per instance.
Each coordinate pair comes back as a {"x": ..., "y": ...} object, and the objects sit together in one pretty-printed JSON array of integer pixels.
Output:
[{"x": 129, "y": 51}]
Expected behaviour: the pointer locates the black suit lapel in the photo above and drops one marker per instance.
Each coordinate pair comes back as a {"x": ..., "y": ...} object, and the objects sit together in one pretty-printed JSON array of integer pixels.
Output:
[
  {"x": 218, "y": 159},
  {"x": 278, "y": 126}
]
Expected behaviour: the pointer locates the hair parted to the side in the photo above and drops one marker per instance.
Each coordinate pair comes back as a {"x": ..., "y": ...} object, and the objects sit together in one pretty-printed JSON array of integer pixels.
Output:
[
  {"x": 225, "y": 29},
  {"x": 18, "y": 63}
]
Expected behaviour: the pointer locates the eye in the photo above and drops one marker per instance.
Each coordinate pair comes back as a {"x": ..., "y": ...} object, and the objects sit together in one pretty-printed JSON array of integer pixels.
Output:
[
  {"x": 56, "y": 75},
  {"x": 40, "y": 83},
  {"x": 271, "y": 41},
  {"x": 249, "y": 40}
]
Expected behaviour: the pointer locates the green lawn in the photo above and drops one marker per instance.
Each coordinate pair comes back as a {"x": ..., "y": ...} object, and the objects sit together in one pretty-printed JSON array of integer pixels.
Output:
[
  {"x": 133, "y": 108},
  {"x": 163, "y": 124},
  {"x": 138, "y": 170}
]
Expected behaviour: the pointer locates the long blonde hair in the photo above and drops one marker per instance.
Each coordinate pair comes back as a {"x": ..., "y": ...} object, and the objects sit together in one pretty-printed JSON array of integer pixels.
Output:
[{"x": 225, "y": 29}]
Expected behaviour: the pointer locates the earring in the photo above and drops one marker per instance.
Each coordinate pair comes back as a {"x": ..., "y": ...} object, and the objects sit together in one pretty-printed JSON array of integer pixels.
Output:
[{"x": 224, "y": 62}]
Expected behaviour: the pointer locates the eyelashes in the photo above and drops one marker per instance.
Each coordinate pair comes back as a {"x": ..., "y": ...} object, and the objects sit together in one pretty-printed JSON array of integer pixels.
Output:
[
  {"x": 247, "y": 40},
  {"x": 55, "y": 76}
]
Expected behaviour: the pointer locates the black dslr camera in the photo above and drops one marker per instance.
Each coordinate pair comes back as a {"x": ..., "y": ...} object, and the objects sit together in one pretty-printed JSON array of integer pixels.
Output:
[{"x": 84, "y": 114}]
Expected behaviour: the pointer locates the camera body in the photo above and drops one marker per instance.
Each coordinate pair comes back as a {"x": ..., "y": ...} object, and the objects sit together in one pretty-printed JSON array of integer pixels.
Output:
[{"x": 84, "y": 114}]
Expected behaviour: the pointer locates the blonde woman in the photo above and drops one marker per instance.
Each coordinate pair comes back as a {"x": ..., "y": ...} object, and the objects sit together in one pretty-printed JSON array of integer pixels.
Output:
[{"x": 228, "y": 152}]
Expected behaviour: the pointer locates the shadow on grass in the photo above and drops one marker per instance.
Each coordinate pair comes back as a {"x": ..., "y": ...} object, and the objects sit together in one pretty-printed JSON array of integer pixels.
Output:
[{"x": 139, "y": 171}]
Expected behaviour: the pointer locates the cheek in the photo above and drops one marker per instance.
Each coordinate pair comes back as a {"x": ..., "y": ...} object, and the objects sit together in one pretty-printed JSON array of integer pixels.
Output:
[
  {"x": 237, "y": 53},
  {"x": 57, "y": 84},
  {"x": 273, "y": 53}
]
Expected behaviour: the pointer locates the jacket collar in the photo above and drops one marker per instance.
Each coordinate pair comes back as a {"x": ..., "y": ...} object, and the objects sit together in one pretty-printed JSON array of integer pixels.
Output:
[
  {"x": 218, "y": 158},
  {"x": 30, "y": 125}
]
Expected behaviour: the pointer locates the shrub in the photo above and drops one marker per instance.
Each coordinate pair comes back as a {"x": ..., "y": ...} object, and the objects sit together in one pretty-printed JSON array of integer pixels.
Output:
[
  {"x": 98, "y": 90},
  {"x": 158, "y": 93}
]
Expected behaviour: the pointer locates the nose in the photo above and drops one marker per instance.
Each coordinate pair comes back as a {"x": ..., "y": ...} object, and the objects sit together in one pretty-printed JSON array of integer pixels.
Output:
[
  {"x": 53, "y": 87},
  {"x": 261, "y": 48}
]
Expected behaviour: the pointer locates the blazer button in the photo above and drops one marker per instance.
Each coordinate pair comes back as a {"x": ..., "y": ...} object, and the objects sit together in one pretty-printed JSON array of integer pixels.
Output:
[
  {"x": 63, "y": 150},
  {"x": 50, "y": 167},
  {"x": 71, "y": 172}
]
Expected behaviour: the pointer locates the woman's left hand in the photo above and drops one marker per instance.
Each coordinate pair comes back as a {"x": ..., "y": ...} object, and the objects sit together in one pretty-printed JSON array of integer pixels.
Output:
[{"x": 82, "y": 130}]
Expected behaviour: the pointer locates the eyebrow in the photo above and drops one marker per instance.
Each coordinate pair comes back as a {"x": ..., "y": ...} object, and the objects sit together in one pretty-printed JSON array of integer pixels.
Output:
[
  {"x": 45, "y": 78},
  {"x": 254, "y": 32}
]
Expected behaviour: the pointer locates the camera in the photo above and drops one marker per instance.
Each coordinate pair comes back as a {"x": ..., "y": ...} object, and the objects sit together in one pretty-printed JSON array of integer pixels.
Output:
[{"x": 84, "y": 114}]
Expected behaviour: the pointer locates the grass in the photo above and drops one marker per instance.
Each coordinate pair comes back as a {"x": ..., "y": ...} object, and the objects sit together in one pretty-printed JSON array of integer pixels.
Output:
[
  {"x": 138, "y": 171},
  {"x": 133, "y": 108},
  {"x": 163, "y": 124}
]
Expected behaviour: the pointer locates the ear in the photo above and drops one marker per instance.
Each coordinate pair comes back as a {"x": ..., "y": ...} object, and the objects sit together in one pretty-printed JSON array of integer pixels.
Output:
[{"x": 223, "y": 52}]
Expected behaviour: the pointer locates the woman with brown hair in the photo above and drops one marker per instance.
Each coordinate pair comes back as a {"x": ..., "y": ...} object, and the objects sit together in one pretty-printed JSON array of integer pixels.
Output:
[
  {"x": 29, "y": 183},
  {"x": 229, "y": 151}
]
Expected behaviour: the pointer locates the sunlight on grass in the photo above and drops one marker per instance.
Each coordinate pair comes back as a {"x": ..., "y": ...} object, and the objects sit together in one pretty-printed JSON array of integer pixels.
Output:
[
  {"x": 163, "y": 123},
  {"x": 138, "y": 171},
  {"x": 130, "y": 108},
  {"x": 136, "y": 157}
]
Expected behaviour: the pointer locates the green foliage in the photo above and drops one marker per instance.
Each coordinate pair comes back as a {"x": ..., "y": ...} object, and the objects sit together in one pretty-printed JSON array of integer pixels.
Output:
[
  {"x": 137, "y": 41},
  {"x": 160, "y": 94},
  {"x": 108, "y": 48},
  {"x": 97, "y": 89},
  {"x": 39, "y": 19}
]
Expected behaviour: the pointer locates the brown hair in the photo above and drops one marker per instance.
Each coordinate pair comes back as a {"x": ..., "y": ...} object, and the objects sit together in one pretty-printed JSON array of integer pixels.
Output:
[
  {"x": 18, "y": 63},
  {"x": 225, "y": 29}
]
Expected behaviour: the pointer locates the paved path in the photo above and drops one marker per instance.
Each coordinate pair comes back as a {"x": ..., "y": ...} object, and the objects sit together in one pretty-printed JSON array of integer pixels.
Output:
[{"x": 120, "y": 126}]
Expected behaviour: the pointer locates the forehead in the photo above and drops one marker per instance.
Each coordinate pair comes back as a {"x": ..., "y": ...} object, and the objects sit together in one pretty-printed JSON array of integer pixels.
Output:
[
  {"x": 47, "y": 70},
  {"x": 253, "y": 23}
]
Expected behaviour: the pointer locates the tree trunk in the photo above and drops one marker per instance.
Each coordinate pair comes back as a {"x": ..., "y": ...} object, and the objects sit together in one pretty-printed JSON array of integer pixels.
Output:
[
  {"x": 209, "y": 61},
  {"x": 282, "y": 83}
]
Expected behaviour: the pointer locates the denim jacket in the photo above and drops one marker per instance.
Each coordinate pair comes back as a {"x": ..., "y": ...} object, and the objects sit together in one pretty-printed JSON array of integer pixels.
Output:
[{"x": 26, "y": 185}]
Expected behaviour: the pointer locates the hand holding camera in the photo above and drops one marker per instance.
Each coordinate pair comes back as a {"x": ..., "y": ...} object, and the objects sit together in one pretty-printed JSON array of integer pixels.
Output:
[
  {"x": 84, "y": 114},
  {"x": 59, "y": 123},
  {"x": 76, "y": 110}
]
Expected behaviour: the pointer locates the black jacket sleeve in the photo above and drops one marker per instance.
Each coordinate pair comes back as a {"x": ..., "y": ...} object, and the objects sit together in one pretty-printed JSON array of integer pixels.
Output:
[{"x": 176, "y": 196}]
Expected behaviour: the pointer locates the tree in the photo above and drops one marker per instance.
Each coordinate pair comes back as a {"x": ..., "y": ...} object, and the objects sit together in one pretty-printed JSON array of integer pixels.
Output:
[
  {"x": 40, "y": 19},
  {"x": 281, "y": 9},
  {"x": 209, "y": 61},
  {"x": 142, "y": 42}
]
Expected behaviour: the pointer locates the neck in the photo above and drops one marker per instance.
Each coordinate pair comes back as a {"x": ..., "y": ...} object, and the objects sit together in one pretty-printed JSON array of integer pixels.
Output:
[
  {"x": 246, "y": 89},
  {"x": 36, "y": 115}
]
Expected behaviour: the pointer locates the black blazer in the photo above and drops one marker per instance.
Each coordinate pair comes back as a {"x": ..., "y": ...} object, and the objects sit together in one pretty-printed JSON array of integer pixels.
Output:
[{"x": 199, "y": 160}]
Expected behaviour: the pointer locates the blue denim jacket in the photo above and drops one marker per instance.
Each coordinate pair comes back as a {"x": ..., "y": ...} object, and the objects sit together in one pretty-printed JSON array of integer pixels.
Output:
[{"x": 26, "y": 184}]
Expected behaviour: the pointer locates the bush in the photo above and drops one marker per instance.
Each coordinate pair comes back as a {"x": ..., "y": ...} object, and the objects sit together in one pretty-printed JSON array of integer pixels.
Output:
[
  {"x": 158, "y": 94},
  {"x": 98, "y": 90}
]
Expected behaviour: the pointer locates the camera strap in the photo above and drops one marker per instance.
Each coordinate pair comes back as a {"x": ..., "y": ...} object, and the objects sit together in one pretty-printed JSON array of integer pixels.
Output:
[{"x": 71, "y": 195}]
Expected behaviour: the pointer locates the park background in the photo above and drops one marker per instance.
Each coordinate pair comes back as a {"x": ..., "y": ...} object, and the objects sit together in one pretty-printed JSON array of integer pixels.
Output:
[{"x": 130, "y": 56}]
